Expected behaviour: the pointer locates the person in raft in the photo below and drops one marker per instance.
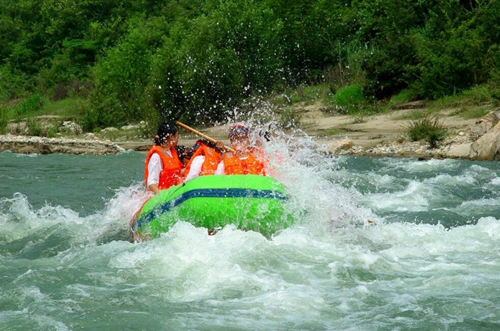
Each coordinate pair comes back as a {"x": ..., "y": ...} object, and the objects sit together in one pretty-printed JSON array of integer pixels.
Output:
[
  {"x": 245, "y": 159},
  {"x": 185, "y": 154},
  {"x": 205, "y": 159},
  {"x": 163, "y": 167}
]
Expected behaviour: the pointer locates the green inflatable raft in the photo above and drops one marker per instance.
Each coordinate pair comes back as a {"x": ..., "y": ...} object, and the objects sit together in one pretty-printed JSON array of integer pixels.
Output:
[{"x": 250, "y": 202}]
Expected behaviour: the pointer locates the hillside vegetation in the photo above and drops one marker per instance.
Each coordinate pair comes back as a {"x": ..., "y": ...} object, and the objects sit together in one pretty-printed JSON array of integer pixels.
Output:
[{"x": 113, "y": 62}]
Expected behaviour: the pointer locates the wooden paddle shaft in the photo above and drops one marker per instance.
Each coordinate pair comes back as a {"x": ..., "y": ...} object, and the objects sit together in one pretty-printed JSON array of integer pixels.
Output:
[{"x": 204, "y": 136}]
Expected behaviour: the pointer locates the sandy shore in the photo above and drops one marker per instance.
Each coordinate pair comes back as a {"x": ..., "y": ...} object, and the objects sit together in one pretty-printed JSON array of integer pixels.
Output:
[
  {"x": 367, "y": 131},
  {"x": 372, "y": 130},
  {"x": 368, "y": 134}
]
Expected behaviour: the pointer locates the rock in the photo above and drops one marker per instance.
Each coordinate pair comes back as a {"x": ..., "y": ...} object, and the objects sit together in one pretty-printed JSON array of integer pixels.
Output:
[
  {"x": 338, "y": 145},
  {"x": 464, "y": 145},
  {"x": 41, "y": 145},
  {"x": 487, "y": 146},
  {"x": 459, "y": 151},
  {"x": 478, "y": 140},
  {"x": 72, "y": 127}
]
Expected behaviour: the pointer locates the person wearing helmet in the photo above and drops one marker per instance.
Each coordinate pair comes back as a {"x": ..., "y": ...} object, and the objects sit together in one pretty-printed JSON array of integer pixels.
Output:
[{"x": 245, "y": 159}]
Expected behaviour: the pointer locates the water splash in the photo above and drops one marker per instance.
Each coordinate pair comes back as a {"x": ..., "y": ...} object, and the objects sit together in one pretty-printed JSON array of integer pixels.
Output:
[{"x": 331, "y": 270}]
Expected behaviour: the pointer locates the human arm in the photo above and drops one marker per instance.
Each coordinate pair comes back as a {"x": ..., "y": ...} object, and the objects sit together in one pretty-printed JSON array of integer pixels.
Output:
[
  {"x": 195, "y": 169},
  {"x": 154, "y": 188},
  {"x": 219, "y": 145},
  {"x": 220, "y": 168},
  {"x": 154, "y": 169}
]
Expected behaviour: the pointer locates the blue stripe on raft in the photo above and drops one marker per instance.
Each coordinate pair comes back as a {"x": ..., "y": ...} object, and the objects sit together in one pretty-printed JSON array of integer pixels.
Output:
[{"x": 211, "y": 193}]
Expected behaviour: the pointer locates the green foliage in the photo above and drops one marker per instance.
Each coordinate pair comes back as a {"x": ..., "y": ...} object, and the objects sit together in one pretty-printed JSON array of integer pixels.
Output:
[
  {"x": 302, "y": 94},
  {"x": 199, "y": 60},
  {"x": 11, "y": 85},
  {"x": 428, "y": 127},
  {"x": 34, "y": 127},
  {"x": 4, "y": 120},
  {"x": 406, "y": 95},
  {"x": 470, "y": 113},
  {"x": 315, "y": 92},
  {"x": 210, "y": 65},
  {"x": 349, "y": 68},
  {"x": 476, "y": 96},
  {"x": 454, "y": 50},
  {"x": 389, "y": 61},
  {"x": 121, "y": 93},
  {"x": 349, "y": 99},
  {"x": 30, "y": 105},
  {"x": 89, "y": 121}
]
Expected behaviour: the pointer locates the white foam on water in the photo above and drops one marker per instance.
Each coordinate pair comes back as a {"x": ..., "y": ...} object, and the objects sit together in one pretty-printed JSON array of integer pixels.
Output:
[
  {"x": 331, "y": 270},
  {"x": 495, "y": 181},
  {"x": 307, "y": 174},
  {"x": 343, "y": 271},
  {"x": 416, "y": 166},
  {"x": 414, "y": 197}
]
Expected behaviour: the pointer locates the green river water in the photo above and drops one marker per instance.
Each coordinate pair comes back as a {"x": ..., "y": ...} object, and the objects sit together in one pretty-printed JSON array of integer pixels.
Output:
[{"x": 430, "y": 259}]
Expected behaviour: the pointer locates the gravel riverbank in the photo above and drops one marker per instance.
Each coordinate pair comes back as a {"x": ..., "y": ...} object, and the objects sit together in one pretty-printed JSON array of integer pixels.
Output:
[{"x": 377, "y": 135}]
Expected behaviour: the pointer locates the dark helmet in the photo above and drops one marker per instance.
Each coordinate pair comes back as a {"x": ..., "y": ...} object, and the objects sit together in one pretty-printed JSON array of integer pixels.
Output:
[{"x": 238, "y": 130}]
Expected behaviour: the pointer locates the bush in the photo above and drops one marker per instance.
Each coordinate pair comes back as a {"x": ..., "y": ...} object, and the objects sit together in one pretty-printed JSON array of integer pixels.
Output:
[
  {"x": 121, "y": 93},
  {"x": 349, "y": 98},
  {"x": 4, "y": 120},
  {"x": 209, "y": 65},
  {"x": 11, "y": 84},
  {"x": 31, "y": 105},
  {"x": 406, "y": 95},
  {"x": 429, "y": 127}
]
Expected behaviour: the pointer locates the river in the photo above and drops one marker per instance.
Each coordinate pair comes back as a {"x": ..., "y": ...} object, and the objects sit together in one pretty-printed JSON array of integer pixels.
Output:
[{"x": 381, "y": 244}]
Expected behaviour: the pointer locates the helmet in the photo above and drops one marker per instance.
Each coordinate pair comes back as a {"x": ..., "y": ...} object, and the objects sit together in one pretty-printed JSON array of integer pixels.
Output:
[{"x": 238, "y": 130}]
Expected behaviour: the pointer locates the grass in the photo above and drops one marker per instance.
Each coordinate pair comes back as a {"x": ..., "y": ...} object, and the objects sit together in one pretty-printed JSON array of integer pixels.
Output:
[
  {"x": 333, "y": 132},
  {"x": 348, "y": 97},
  {"x": 36, "y": 105},
  {"x": 350, "y": 100},
  {"x": 4, "y": 120},
  {"x": 71, "y": 107},
  {"x": 402, "y": 97},
  {"x": 470, "y": 113},
  {"x": 413, "y": 115},
  {"x": 301, "y": 94},
  {"x": 429, "y": 128},
  {"x": 473, "y": 98}
]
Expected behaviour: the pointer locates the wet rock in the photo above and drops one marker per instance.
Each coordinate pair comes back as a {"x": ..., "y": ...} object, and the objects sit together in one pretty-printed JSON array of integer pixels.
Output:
[
  {"x": 338, "y": 145},
  {"x": 481, "y": 142},
  {"x": 71, "y": 127},
  {"x": 487, "y": 147},
  {"x": 41, "y": 145}
]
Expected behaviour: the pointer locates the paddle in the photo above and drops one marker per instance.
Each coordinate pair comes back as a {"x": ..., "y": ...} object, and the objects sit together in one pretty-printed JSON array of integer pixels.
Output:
[{"x": 204, "y": 136}]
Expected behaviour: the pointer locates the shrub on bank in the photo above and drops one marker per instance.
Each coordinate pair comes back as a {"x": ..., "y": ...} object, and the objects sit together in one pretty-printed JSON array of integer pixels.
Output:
[{"x": 428, "y": 128}]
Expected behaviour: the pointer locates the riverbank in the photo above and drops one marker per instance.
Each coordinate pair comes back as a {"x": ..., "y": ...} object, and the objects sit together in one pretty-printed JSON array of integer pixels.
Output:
[
  {"x": 376, "y": 135},
  {"x": 42, "y": 145}
]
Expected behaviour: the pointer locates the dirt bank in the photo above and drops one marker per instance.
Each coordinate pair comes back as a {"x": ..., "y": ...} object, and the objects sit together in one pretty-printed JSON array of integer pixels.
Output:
[{"x": 379, "y": 134}]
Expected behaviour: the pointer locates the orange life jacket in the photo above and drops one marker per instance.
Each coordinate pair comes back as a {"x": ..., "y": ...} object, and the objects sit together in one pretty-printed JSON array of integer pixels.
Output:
[
  {"x": 212, "y": 160},
  {"x": 171, "y": 173},
  {"x": 253, "y": 164}
]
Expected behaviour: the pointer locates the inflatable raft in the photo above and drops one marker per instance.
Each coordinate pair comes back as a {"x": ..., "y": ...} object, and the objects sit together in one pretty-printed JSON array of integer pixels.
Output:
[{"x": 250, "y": 202}]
